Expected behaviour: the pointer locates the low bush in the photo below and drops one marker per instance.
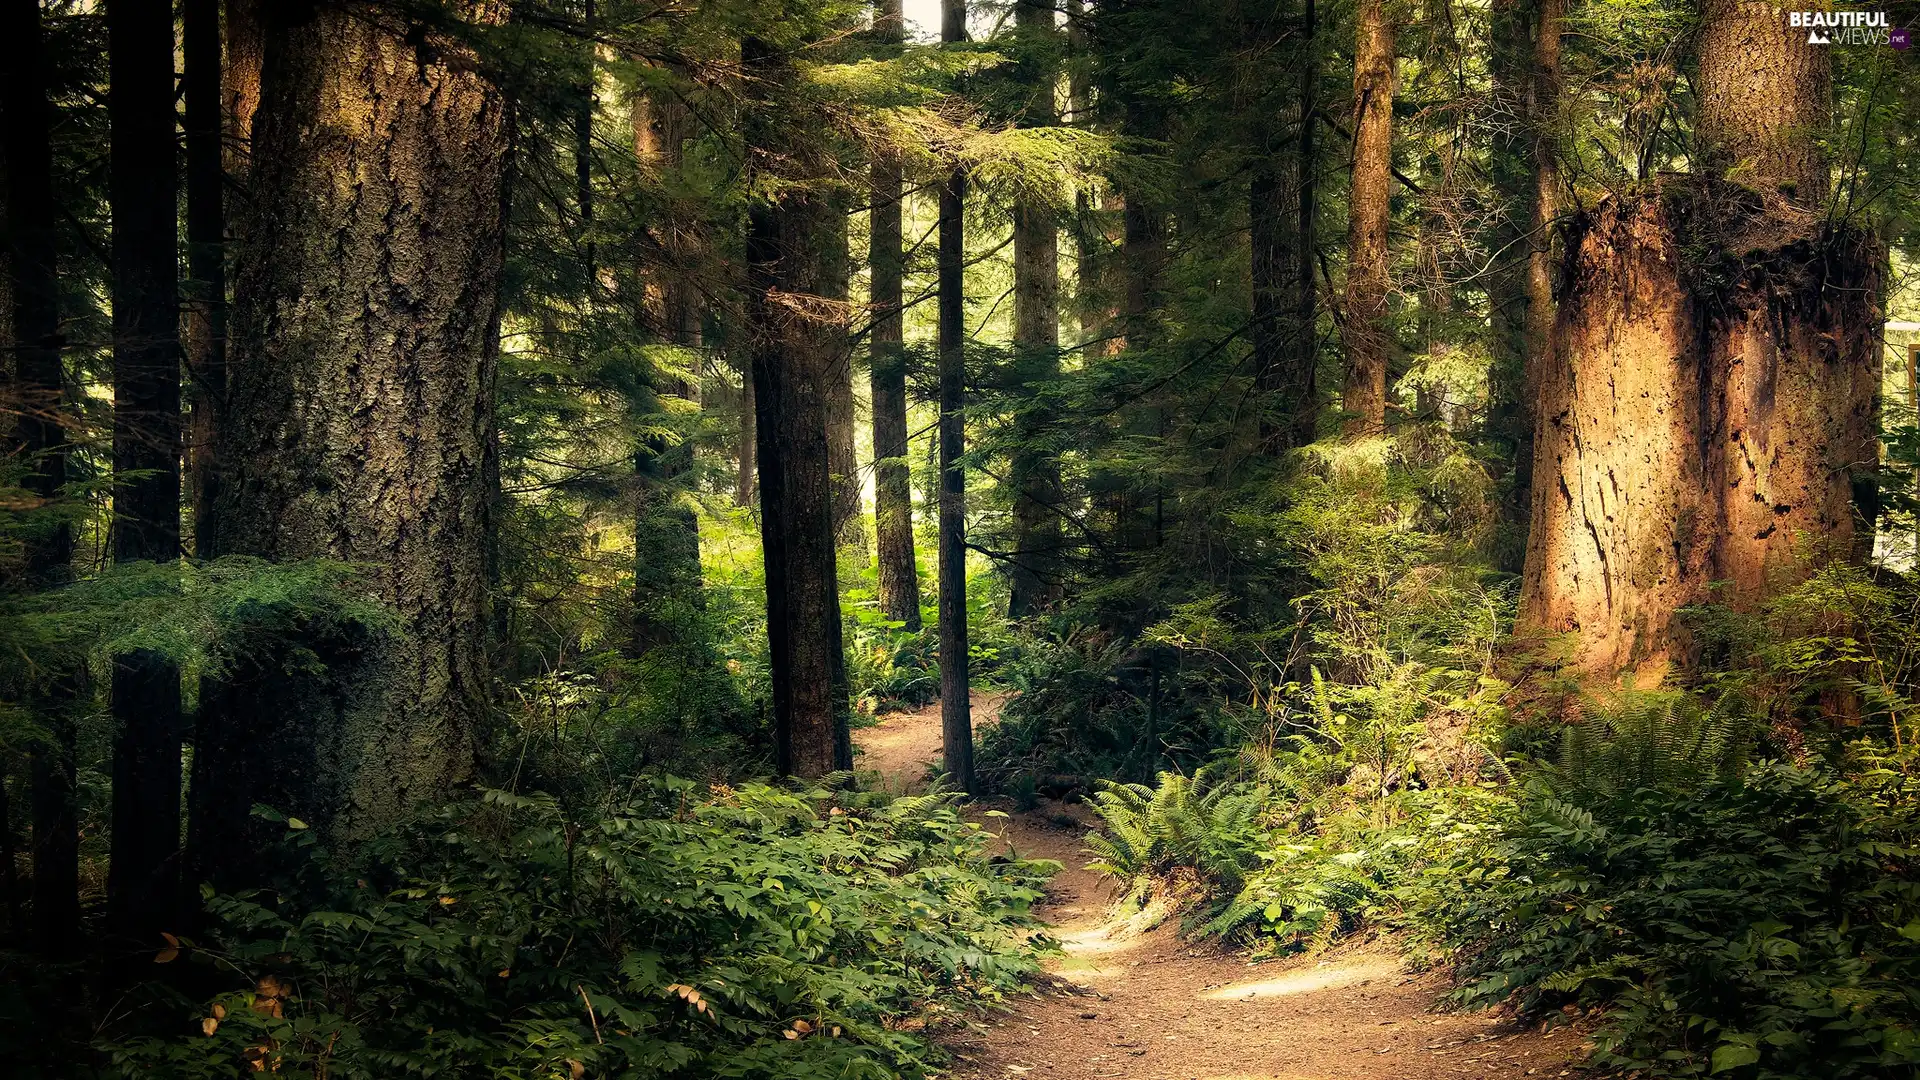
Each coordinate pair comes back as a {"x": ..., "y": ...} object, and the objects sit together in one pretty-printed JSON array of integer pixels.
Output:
[
  {"x": 1761, "y": 923},
  {"x": 703, "y": 933}
]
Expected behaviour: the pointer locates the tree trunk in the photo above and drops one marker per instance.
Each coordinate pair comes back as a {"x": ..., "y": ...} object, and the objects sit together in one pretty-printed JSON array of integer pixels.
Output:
[
  {"x": 33, "y": 301},
  {"x": 956, "y": 712},
  {"x": 1281, "y": 220},
  {"x": 668, "y": 588},
  {"x": 899, "y": 577},
  {"x": 1763, "y": 93},
  {"x": 1365, "y": 330},
  {"x": 790, "y": 335},
  {"x": 146, "y": 455},
  {"x": 1510, "y": 164},
  {"x": 849, "y": 525},
  {"x": 206, "y": 292},
  {"x": 1035, "y": 468},
  {"x": 748, "y": 442},
  {"x": 361, "y": 377},
  {"x": 1712, "y": 380},
  {"x": 584, "y": 100}
]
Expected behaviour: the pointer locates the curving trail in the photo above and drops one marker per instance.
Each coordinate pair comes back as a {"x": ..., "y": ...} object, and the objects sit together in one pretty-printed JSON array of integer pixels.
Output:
[{"x": 1148, "y": 1006}]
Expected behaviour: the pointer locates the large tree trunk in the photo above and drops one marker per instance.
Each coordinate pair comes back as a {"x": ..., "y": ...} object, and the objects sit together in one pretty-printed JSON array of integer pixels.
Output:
[
  {"x": 956, "y": 711},
  {"x": 1281, "y": 219},
  {"x": 1712, "y": 380},
  {"x": 899, "y": 577},
  {"x": 146, "y": 455},
  {"x": 1365, "y": 330},
  {"x": 361, "y": 377},
  {"x": 33, "y": 303},
  {"x": 1035, "y": 472},
  {"x": 791, "y": 353}
]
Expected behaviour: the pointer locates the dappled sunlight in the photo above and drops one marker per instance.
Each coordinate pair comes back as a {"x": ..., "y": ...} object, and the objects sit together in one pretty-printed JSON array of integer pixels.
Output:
[{"x": 1326, "y": 977}]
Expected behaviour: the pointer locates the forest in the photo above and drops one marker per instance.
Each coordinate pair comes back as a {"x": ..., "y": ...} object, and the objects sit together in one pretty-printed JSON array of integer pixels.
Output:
[{"x": 851, "y": 539}]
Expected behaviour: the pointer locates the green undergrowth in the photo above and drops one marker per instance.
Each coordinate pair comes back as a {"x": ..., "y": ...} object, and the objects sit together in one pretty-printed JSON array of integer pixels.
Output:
[
  {"x": 1720, "y": 913},
  {"x": 677, "y": 931}
]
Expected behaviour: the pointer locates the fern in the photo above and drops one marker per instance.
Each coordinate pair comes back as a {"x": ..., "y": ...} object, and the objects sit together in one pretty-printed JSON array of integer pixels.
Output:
[{"x": 1659, "y": 741}]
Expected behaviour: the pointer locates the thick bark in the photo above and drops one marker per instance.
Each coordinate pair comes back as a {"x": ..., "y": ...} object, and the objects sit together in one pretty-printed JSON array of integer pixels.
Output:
[
  {"x": 789, "y": 334},
  {"x": 1035, "y": 471},
  {"x": 1712, "y": 382},
  {"x": 1364, "y": 329},
  {"x": 1281, "y": 213},
  {"x": 206, "y": 285},
  {"x": 899, "y": 577},
  {"x": 956, "y": 712},
  {"x": 361, "y": 375},
  {"x": 240, "y": 84},
  {"x": 146, "y": 455},
  {"x": 34, "y": 309},
  {"x": 1695, "y": 432},
  {"x": 1764, "y": 96}
]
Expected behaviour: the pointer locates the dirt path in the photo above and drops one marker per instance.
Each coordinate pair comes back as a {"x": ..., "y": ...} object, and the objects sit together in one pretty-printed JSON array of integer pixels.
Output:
[{"x": 1148, "y": 1006}]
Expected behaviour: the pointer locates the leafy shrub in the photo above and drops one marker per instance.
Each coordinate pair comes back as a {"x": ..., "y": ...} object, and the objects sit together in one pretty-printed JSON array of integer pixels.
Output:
[
  {"x": 1765, "y": 924},
  {"x": 742, "y": 932}
]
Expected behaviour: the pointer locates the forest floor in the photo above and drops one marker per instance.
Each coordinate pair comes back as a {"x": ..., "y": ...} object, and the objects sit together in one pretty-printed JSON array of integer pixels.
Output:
[{"x": 1141, "y": 1004}]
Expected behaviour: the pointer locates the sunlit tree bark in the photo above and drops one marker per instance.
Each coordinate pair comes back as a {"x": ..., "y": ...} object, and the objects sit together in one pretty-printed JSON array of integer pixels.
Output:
[
  {"x": 1711, "y": 382},
  {"x": 1364, "y": 330}
]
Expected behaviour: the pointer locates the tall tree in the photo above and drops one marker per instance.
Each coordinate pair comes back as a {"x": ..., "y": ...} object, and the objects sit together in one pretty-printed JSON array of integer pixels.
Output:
[
  {"x": 1364, "y": 327},
  {"x": 1711, "y": 380},
  {"x": 1281, "y": 218},
  {"x": 956, "y": 711},
  {"x": 899, "y": 577},
  {"x": 146, "y": 453},
  {"x": 206, "y": 286},
  {"x": 849, "y": 525},
  {"x": 792, "y": 364},
  {"x": 1510, "y": 122},
  {"x": 361, "y": 372},
  {"x": 33, "y": 299},
  {"x": 666, "y": 529},
  {"x": 1035, "y": 472}
]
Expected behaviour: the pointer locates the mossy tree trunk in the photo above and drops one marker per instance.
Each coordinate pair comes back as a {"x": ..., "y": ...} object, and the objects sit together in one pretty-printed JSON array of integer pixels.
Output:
[{"x": 361, "y": 374}]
